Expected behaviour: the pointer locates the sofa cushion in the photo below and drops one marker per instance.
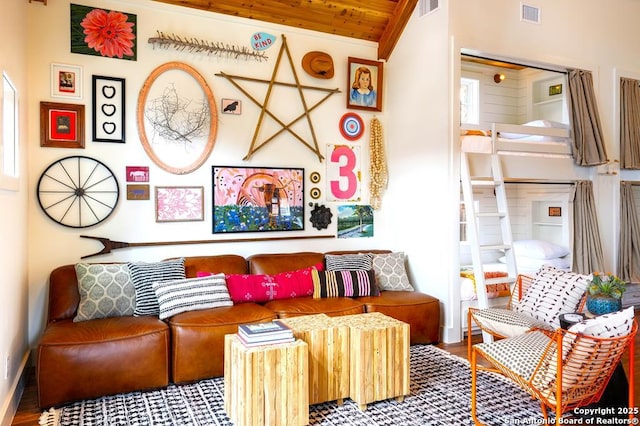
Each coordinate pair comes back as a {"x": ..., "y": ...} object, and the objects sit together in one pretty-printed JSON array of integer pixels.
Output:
[
  {"x": 145, "y": 274},
  {"x": 337, "y": 262},
  {"x": 191, "y": 294},
  {"x": 106, "y": 290},
  {"x": 345, "y": 283},
  {"x": 390, "y": 272},
  {"x": 335, "y": 306}
]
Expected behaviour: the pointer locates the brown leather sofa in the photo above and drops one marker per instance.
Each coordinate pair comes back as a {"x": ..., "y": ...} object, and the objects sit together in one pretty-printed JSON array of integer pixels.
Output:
[{"x": 98, "y": 357}]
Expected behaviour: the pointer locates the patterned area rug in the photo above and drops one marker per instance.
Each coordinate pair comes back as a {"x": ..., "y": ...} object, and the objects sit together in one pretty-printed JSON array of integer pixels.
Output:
[{"x": 440, "y": 394}]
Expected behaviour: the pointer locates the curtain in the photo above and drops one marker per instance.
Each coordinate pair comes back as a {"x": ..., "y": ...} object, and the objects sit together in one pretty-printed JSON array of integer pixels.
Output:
[
  {"x": 588, "y": 143},
  {"x": 629, "y": 249},
  {"x": 588, "y": 255},
  {"x": 629, "y": 123}
]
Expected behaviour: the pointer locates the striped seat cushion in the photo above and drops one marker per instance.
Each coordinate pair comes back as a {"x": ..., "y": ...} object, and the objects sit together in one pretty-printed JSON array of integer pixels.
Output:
[
  {"x": 191, "y": 294},
  {"x": 144, "y": 274},
  {"x": 507, "y": 323}
]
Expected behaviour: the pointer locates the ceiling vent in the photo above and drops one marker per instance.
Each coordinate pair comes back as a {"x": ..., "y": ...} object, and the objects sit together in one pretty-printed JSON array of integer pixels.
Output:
[
  {"x": 426, "y": 7},
  {"x": 529, "y": 13}
]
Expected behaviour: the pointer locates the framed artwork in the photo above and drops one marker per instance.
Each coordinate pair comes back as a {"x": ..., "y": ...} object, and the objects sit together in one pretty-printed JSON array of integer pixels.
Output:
[
  {"x": 137, "y": 192},
  {"x": 364, "y": 84},
  {"x": 66, "y": 81},
  {"x": 555, "y": 211},
  {"x": 249, "y": 199},
  {"x": 108, "y": 109},
  {"x": 89, "y": 25},
  {"x": 231, "y": 106},
  {"x": 179, "y": 203},
  {"x": 344, "y": 173},
  {"x": 355, "y": 221},
  {"x": 61, "y": 125},
  {"x": 137, "y": 173},
  {"x": 177, "y": 118}
]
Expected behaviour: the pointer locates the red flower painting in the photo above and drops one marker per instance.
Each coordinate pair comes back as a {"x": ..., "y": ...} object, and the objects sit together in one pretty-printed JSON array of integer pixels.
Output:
[{"x": 108, "y": 33}]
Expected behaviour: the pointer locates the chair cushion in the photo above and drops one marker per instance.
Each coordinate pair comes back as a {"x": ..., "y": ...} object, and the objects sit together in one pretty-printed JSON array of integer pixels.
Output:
[
  {"x": 505, "y": 322},
  {"x": 520, "y": 354},
  {"x": 552, "y": 293}
]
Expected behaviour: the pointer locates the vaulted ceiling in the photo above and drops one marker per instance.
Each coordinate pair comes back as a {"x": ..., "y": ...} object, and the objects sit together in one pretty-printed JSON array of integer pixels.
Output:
[{"x": 380, "y": 21}]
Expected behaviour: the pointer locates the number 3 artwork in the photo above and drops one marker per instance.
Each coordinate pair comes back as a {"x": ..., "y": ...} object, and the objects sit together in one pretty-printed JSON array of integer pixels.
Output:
[{"x": 343, "y": 173}]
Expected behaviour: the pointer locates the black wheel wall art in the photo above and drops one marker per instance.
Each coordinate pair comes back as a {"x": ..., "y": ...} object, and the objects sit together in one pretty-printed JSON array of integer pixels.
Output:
[{"x": 78, "y": 191}]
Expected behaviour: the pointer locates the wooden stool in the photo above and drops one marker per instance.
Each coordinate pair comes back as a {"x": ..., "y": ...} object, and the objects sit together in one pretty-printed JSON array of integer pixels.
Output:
[
  {"x": 266, "y": 385},
  {"x": 328, "y": 356},
  {"x": 379, "y": 357}
]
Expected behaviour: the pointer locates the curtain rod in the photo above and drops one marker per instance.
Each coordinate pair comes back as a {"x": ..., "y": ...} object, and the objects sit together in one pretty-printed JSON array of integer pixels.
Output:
[{"x": 561, "y": 70}]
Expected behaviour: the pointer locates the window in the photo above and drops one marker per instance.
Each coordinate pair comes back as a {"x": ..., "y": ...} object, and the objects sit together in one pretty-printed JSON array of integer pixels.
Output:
[
  {"x": 469, "y": 101},
  {"x": 9, "y": 141}
]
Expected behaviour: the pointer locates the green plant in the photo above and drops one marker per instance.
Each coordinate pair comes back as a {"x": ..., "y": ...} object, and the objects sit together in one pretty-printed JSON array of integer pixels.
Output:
[{"x": 606, "y": 285}]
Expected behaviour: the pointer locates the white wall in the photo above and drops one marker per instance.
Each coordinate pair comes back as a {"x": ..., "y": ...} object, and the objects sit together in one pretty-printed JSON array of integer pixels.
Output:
[
  {"x": 13, "y": 220},
  {"x": 53, "y": 245}
]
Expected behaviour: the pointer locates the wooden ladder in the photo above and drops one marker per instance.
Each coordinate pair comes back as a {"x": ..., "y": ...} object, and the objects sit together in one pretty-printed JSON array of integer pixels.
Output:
[{"x": 496, "y": 180}]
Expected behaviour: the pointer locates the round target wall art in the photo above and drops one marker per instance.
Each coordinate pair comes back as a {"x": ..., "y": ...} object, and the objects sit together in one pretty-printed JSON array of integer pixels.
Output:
[{"x": 351, "y": 126}]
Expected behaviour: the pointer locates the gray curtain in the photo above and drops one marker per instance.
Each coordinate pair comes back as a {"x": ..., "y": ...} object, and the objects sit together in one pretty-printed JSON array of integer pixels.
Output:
[
  {"x": 588, "y": 143},
  {"x": 629, "y": 123},
  {"x": 588, "y": 255},
  {"x": 629, "y": 250}
]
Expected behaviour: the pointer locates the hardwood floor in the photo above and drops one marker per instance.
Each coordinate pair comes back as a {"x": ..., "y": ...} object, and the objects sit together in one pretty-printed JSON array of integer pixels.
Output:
[{"x": 29, "y": 413}]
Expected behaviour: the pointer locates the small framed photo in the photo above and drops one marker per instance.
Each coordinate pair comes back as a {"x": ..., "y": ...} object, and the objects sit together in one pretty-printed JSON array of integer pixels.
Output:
[
  {"x": 555, "y": 211},
  {"x": 137, "y": 192},
  {"x": 137, "y": 173},
  {"x": 66, "y": 81},
  {"x": 555, "y": 89},
  {"x": 364, "y": 84},
  {"x": 61, "y": 125},
  {"x": 231, "y": 106},
  {"x": 179, "y": 203},
  {"x": 108, "y": 109}
]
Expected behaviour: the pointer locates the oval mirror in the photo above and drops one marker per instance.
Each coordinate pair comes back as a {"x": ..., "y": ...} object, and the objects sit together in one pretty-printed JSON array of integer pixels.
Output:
[{"x": 177, "y": 118}]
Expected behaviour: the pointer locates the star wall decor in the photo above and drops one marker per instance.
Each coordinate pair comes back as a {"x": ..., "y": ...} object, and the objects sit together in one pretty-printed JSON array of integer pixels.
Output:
[{"x": 266, "y": 111}]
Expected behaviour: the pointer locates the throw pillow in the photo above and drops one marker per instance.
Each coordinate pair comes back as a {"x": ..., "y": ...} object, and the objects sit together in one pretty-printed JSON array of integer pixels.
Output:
[
  {"x": 191, "y": 294},
  {"x": 144, "y": 274},
  {"x": 538, "y": 249},
  {"x": 106, "y": 290},
  {"x": 251, "y": 287},
  {"x": 346, "y": 283},
  {"x": 390, "y": 272},
  {"x": 339, "y": 262},
  {"x": 615, "y": 324},
  {"x": 298, "y": 283},
  {"x": 552, "y": 293}
]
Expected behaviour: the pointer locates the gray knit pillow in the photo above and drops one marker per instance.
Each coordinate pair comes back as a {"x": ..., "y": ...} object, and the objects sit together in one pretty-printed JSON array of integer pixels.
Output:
[
  {"x": 390, "y": 272},
  {"x": 106, "y": 290}
]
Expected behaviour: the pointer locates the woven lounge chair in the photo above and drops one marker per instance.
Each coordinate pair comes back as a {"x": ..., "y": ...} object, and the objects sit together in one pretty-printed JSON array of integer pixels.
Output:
[
  {"x": 589, "y": 352},
  {"x": 535, "y": 302}
]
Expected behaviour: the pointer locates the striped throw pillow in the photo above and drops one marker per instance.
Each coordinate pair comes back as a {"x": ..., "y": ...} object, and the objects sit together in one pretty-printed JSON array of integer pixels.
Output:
[
  {"x": 145, "y": 274},
  {"x": 346, "y": 283},
  {"x": 352, "y": 262},
  {"x": 191, "y": 294}
]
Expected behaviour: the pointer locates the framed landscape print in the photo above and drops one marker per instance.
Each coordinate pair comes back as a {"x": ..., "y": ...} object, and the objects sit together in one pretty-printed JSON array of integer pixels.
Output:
[
  {"x": 61, "y": 125},
  {"x": 249, "y": 199}
]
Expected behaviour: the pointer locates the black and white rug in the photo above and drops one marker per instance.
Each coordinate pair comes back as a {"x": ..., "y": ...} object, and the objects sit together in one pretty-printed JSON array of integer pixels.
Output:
[{"x": 440, "y": 394}]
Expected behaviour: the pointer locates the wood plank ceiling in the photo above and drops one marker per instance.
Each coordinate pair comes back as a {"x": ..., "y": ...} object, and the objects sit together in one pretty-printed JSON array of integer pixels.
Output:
[{"x": 380, "y": 21}]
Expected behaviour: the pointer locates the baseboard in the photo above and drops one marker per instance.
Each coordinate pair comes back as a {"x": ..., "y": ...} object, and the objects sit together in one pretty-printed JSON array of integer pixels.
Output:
[{"x": 10, "y": 405}]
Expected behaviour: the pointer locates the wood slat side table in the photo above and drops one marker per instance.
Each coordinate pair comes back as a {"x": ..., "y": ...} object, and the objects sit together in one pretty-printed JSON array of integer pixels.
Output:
[
  {"x": 328, "y": 356},
  {"x": 266, "y": 385},
  {"x": 379, "y": 357}
]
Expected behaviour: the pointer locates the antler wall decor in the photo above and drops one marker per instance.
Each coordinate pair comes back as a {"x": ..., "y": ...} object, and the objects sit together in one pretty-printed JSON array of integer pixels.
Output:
[{"x": 195, "y": 45}]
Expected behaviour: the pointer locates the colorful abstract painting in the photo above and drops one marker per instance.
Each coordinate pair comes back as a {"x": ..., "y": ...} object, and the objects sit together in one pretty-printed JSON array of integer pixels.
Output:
[
  {"x": 257, "y": 199},
  {"x": 101, "y": 32}
]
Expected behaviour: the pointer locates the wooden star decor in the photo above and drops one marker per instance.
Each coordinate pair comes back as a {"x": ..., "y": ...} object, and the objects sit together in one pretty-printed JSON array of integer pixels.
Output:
[{"x": 264, "y": 106}]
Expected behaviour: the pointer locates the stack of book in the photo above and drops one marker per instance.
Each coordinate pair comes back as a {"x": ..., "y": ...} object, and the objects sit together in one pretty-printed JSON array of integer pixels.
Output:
[{"x": 266, "y": 333}]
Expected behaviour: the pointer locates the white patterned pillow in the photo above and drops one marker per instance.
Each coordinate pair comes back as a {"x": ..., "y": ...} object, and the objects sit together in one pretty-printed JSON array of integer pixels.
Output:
[
  {"x": 390, "y": 272},
  {"x": 552, "y": 293},
  {"x": 106, "y": 290},
  {"x": 506, "y": 322},
  {"x": 191, "y": 294},
  {"x": 145, "y": 274},
  {"x": 615, "y": 324},
  {"x": 352, "y": 262}
]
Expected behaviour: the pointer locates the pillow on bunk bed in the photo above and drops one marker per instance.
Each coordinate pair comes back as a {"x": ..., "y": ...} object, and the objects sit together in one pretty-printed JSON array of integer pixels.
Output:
[
  {"x": 525, "y": 263},
  {"x": 533, "y": 138},
  {"x": 539, "y": 249}
]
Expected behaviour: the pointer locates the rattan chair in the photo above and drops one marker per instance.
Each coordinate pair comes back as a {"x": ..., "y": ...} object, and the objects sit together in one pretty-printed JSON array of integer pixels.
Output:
[
  {"x": 505, "y": 322},
  {"x": 532, "y": 360}
]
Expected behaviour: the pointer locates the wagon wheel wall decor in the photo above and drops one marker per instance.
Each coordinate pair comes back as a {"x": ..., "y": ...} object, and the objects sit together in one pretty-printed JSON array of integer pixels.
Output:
[
  {"x": 78, "y": 192},
  {"x": 177, "y": 118}
]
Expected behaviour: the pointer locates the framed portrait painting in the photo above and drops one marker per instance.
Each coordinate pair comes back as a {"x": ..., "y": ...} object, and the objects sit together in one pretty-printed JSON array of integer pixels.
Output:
[
  {"x": 249, "y": 199},
  {"x": 61, "y": 125},
  {"x": 364, "y": 84}
]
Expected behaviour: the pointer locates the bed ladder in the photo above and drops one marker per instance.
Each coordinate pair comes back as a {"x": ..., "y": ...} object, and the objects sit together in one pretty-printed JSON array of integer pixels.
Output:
[{"x": 496, "y": 180}]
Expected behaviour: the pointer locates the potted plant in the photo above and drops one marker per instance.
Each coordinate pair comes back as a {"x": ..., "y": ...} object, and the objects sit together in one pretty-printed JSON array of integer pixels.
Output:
[{"x": 604, "y": 293}]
